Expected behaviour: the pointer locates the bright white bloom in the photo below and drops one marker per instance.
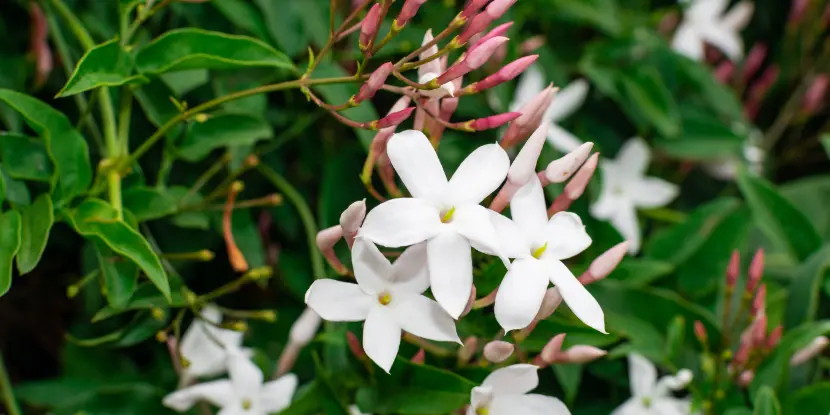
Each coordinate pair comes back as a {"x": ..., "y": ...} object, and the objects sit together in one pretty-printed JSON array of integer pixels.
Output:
[
  {"x": 505, "y": 392},
  {"x": 243, "y": 394},
  {"x": 445, "y": 214},
  {"x": 539, "y": 246},
  {"x": 432, "y": 70},
  {"x": 625, "y": 188},
  {"x": 388, "y": 297},
  {"x": 704, "y": 21},
  {"x": 567, "y": 101},
  {"x": 203, "y": 345},
  {"x": 651, "y": 396}
]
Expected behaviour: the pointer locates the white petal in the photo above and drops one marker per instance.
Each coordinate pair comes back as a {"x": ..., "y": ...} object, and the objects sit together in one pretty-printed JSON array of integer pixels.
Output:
[
  {"x": 532, "y": 404},
  {"x": 381, "y": 337},
  {"x": 417, "y": 164},
  {"x": 434, "y": 65},
  {"x": 651, "y": 192},
  {"x": 633, "y": 158},
  {"x": 339, "y": 301},
  {"x": 579, "y": 300},
  {"x": 529, "y": 210},
  {"x": 632, "y": 406},
  {"x": 480, "y": 396},
  {"x": 707, "y": 10},
  {"x": 447, "y": 89},
  {"x": 568, "y": 100},
  {"x": 530, "y": 83},
  {"x": 211, "y": 313},
  {"x": 219, "y": 393},
  {"x": 626, "y": 223},
  {"x": 513, "y": 380},
  {"x": 671, "y": 406},
  {"x": 401, "y": 222},
  {"x": 206, "y": 357},
  {"x": 641, "y": 374},
  {"x": 738, "y": 17},
  {"x": 687, "y": 41},
  {"x": 481, "y": 173},
  {"x": 409, "y": 272},
  {"x": 371, "y": 268},
  {"x": 512, "y": 242},
  {"x": 276, "y": 394},
  {"x": 726, "y": 40},
  {"x": 236, "y": 409},
  {"x": 474, "y": 222},
  {"x": 245, "y": 375},
  {"x": 424, "y": 318},
  {"x": 611, "y": 195},
  {"x": 450, "y": 271},
  {"x": 566, "y": 236},
  {"x": 520, "y": 294},
  {"x": 562, "y": 139}
]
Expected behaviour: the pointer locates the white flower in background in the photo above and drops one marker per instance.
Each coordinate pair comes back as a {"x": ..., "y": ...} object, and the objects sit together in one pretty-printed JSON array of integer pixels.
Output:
[
  {"x": 651, "y": 396},
  {"x": 203, "y": 345},
  {"x": 566, "y": 102},
  {"x": 354, "y": 410},
  {"x": 626, "y": 188},
  {"x": 505, "y": 392},
  {"x": 243, "y": 394},
  {"x": 704, "y": 21},
  {"x": 539, "y": 246},
  {"x": 432, "y": 70},
  {"x": 445, "y": 214},
  {"x": 388, "y": 297}
]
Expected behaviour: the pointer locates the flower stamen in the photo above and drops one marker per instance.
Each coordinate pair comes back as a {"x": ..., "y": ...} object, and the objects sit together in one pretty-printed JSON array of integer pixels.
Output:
[
  {"x": 246, "y": 404},
  {"x": 384, "y": 299},
  {"x": 537, "y": 253},
  {"x": 482, "y": 410},
  {"x": 447, "y": 216}
]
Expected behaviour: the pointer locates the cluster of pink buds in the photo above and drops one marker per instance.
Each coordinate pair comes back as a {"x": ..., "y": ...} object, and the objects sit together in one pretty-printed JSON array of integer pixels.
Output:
[{"x": 553, "y": 354}]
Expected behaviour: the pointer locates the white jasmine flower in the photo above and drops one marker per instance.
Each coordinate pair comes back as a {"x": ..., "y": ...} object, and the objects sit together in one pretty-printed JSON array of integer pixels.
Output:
[
  {"x": 203, "y": 345},
  {"x": 566, "y": 102},
  {"x": 432, "y": 70},
  {"x": 354, "y": 410},
  {"x": 388, "y": 297},
  {"x": 704, "y": 21},
  {"x": 651, "y": 396},
  {"x": 505, "y": 392},
  {"x": 243, "y": 394},
  {"x": 626, "y": 188},
  {"x": 445, "y": 214},
  {"x": 539, "y": 246}
]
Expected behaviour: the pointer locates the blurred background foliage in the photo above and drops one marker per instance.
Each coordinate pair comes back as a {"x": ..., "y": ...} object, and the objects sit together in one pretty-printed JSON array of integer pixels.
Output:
[{"x": 62, "y": 362}]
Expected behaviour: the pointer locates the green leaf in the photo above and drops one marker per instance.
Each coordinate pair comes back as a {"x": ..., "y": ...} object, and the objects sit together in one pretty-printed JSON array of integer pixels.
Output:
[
  {"x": 12, "y": 190},
  {"x": 106, "y": 64},
  {"x": 602, "y": 14},
  {"x": 640, "y": 271},
  {"x": 36, "y": 222},
  {"x": 811, "y": 195},
  {"x": 825, "y": 142},
  {"x": 766, "y": 403},
  {"x": 243, "y": 15},
  {"x": 675, "y": 337},
  {"x": 221, "y": 131},
  {"x": 183, "y": 82},
  {"x": 778, "y": 219},
  {"x": 805, "y": 288},
  {"x": 120, "y": 276},
  {"x": 738, "y": 411},
  {"x": 96, "y": 218},
  {"x": 148, "y": 203},
  {"x": 569, "y": 377},
  {"x": 813, "y": 399},
  {"x": 774, "y": 371},
  {"x": 146, "y": 297},
  {"x": 9, "y": 245},
  {"x": 703, "y": 137},
  {"x": 701, "y": 79},
  {"x": 650, "y": 97},
  {"x": 184, "y": 49},
  {"x": 66, "y": 146},
  {"x": 25, "y": 158}
]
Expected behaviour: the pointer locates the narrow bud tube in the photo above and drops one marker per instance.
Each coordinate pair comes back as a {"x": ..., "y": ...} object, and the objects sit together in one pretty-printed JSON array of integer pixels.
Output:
[
  {"x": 577, "y": 185},
  {"x": 700, "y": 333},
  {"x": 472, "y": 7},
  {"x": 468, "y": 350},
  {"x": 374, "y": 83},
  {"x": 472, "y": 61},
  {"x": 351, "y": 219},
  {"x": 506, "y": 73},
  {"x": 810, "y": 351},
  {"x": 499, "y": 30},
  {"x": 774, "y": 337},
  {"x": 564, "y": 167},
  {"x": 354, "y": 346},
  {"x": 369, "y": 27},
  {"x": 493, "y": 121},
  {"x": 392, "y": 119},
  {"x": 304, "y": 328},
  {"x": 733, "y": 270},
  {"x": 408, "y": 11},
  {"x": 605, "y": 263},
  {"x": 581, "y": 354},
  {"x": 760, "y": 301},
  {"x": 498, "y": 351},
  {"x": 532, "y": 113},
  {"x": 756, "y": 271},
  {"x": 550, "y": 302},
  {"x": 550, "y": 353}
]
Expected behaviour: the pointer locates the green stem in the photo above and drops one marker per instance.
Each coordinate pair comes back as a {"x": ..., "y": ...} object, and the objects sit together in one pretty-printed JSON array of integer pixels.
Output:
[
  {"x": 113, "y": 148},
  {"x": 75, "y": 24},
  {"x": 304, "y": 211},
  {"x": 124, "y": 114},
  {"x": 6, "y": 388}
]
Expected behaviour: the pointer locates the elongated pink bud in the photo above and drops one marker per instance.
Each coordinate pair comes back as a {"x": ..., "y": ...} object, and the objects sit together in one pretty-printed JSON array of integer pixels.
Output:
[
  {"x": 392, "y": 119},
  {"x": 754, "y": 60},
  {"x": 39, "y": 44},
  {"x": 760, "y": 300},
  {"x": 756, "y": 271},
  {"x": 700, "y": 333},
  {"x": 759, "y": 90},
  {"x": 797, "y": 10},
  {"x": 564, "y": 167},
  {"x": 374, "y": 83},
  {"x": 408, "y": 11},
  {"x": 550, "y": 303},
  {"x": 605, "y": 263},
  {"x": 472, "y": 7},
  {"x": 733, "y": 270},
  {"x": 477, "y": 25},
  {"x": 810, "y": 351},
  {"x": 469, "y": 350},
  {"x": 498, "y": 351},
  {"x": 531, "y": 118},
  {"x": 493, "y": 121},
  {"x": 419, "y": 357},
  {"x": 506, "y": 73},
  {"x": 774, "y": 337},
  {"x": 759, "y": 330},
  {"x": 577, "y": 185},
  {"x": 369, "y": 27},
  {"x": 326, "y": 239},
  {"x": 355, "y": 346},
  {"x": 724, "y": 71},
  {"x": 497, "y": 8},
  {"x": 524, "y": 165},
  {"x": 304, "y": 328},
  {"x": 746, "y": 378},
  {"x": 470, "y": 302},
  {"x": 530, "y": 45},
  {"x": 472, "y": 61},
  {"x": 816, "y": 95},
  {"x": 351, "y": 219},
  {"x": 499, "y": 30},
  {"x": 581, "y": 354},
  {"x": 550, "y": 353}
]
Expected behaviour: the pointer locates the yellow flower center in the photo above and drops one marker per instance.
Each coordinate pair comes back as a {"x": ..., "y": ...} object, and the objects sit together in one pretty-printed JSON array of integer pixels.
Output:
[
  {"x": 647, "y": 402},
  {"x": 446, "y": 217},
  {"x": 385, "y": 299},
  {"x": 246, "y": 404},
  {"x": 537, "y": 253},
  {"x": 482, "y": 411}
]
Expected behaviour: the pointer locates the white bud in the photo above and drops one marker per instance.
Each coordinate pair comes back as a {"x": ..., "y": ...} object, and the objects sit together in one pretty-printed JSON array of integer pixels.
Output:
[
  {"x": 582, "y": 354},
  {"x": 524, "y": 166},
  {"x": 498, "y": 351},
  {"x": 564, "y": 167},
  {"x": 810, "y": 351},
  {"x": 352, "y": 217},
  {"x": 304, "y": 328}
]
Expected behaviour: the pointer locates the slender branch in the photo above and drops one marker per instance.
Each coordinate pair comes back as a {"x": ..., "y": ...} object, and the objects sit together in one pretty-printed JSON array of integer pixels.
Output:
[
  {"x": 413, "y": 65},
  {"x": 334, "y": 37},
  {"x": 6, "y": 388},
  {"x": 454, "y": 25}
]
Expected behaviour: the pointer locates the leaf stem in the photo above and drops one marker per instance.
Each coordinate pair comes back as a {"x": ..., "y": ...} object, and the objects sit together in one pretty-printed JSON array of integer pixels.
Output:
[
  {"x": 6, "y": 388},
  {"x": 113, "y": 148}
]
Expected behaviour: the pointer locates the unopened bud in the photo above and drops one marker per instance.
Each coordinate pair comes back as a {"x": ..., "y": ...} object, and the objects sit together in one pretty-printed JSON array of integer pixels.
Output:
[
  {"x": 470, "y": 302},
  {"x": 550, "y": 302},
  {"x": 408, "y": 11},
  {"x": 374, "y": 83},
  {"x": 369, "y": 27},
  {"x": 531, "y": 118},
  {"x": 419, "y": 357},
  {"x": 498, "y": 351},
  {"x": 157, "y": 313},
  {"x": 550, "y": 353},
  {"x": 561, "y": 169},
  {"x": 493, "y": 121},
  {"x": 759, "y": 330},
  {"x": 756, "y": 271},
  {"x": 472, "y": 61},
  {"x": 499, "y": 30},
  {"x": 815, "y": 96},
  {"x": 392, "y": 119},
  {"x": 759, "y": 302},
  {"x": 724, "y": 71},
  {"x": 304, "y": 329},
  {"x": 472, "y": 7},
  {"x": 810, "y": 351},
  {"x": 700, "y": 333},
  {"x": 605, "y": 263},
  {"x": 581, "y": 354},
  {"x": 354, "y": 345},
  {"x": 351, "y": 219},
  {"x": 577, "y": 185},
  {"x": 468, "y": 350},
  {"x": 754, "y": 60},
  {"x": 797, "y": 10},
  {"x": 524, "y": 165},
  {"x": 328, "y": 237},
  {"x": 530, "y": 45},
  {"x": 745, "y": 378},
  {"x": 506, "y": 73},
  {"x": 733, "y": 270},
  {"x": 774, "y": 337}
]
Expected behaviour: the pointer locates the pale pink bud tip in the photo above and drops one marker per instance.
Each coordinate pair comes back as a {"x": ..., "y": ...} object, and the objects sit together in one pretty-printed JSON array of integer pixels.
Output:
[
  {"x": 394, "y": 118},
  {"x": 700, "y": 332},
  {"x": 304, "y": 329},
  {"x": 810, "y": 351},
  {"x": 550, "y": 353},
  {"x": 608, "y": 261},
  {"x": 524, "y": 166},
  {"x": 733, "y": 269},
  {"x": 759, "y": 303},
  {"x": 408, "y": 11},
  {"x": 419, "y": 357},
  {"x": 499, "y": 30},
  {"x": 354, "y": 345},
  {"x": 815, "y": 96},
  {"x": 327, "y": 238},
  {"x": 582, "y": 354},
  {"x": 531, "y": 118},
  {"x": 756, "y": 271},
  {"x": 498, "y": 7},
  {"x": 746, "y": 378},
  {"x": 369, "y": 27},
  {"x": 775, "y": 336},
  {"x": 564, "y": 167},
  {"x": 577, "y": 185},
  {"x": 472, "y": 7},
  {"x": 493, "y": 121},
  {"x": 506, "y": 73},
  {"x": 472, "y": 61},
  {"x": 498, "y": 351},
  {"x": 374, "y": 83},
  {"x": 550, "y": 302},
  {"x": 352, "y": 217}
]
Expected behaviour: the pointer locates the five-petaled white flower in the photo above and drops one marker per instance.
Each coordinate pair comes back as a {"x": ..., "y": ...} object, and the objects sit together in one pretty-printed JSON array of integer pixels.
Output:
[
  {"x": 388, "y": 297},
  {"x": 203, "y": 345},
  {"x": 566, "y": 102},
  {"x": 243, "y": 394},
  {"x": 445, "y": 214},
  {"x": 505, "y": 392},
  {"x": 704, "y": 21},
  {"x": 651, "y": 396},
  {"x": 625, "y": 188},
  {"x": 539, "y": 246}
]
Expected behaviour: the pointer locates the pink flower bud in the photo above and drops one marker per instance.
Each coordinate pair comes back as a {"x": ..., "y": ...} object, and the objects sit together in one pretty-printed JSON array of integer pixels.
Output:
[
  {"x": 746, "y": 378},
  {"x": 351, "y": 219},
  {"x": 550, "y": 302},
  {"x": 756, "y": 271},
  {"x": 550, "y": 353},
  {"x": 759, "y": 302},
  {"x": 797, "y": 10},
  {"x": 304, "y": 328},
  {"x": 531, "y": 117},
  {"x": 499, "y": 30},
  {"x": 816, "y": 95},
  {"x": 472, "y": 7},
  {"x": 564, "y": 167},
  {"x": 497, "y": 8},
  {"x": 470, "y": 302},
  {"x": 724, "y": 71},
  {"x": 419, "y": 357},
  {"x": 476, "y": 26},
  {"x": 369, "y": 27},
  {"x": 524, "y": 165},
  {"x": 700, "y": 332},
  {"x": 774, "y": 337},
  {"x": 530, "y": 45},
  {"x": 605, "y": 263},
  {"x": 810, "y": 351},
  {"x": 408, "y": 11},
  {"x": 327, "y": 238},
  {"x": 742, "y": 356},
  {"x": 733, "y": 270},
  {"x": 754, "y": 60},
  {"x": 472, "y": 61},
  {"x": 468, "y": 350},
  {"x": 392, "y": 119},
  {"x": 577, "y": 185},
  {"x": 498, "y": 351},
  {"x": 581, "y": 354},
  {"x": 493, "y": 121},
  {"x": 759, "y": 330},
  {"x": 374, "y": 83},
  {"x": 354, "y": 346},
  {"x": 39, "y": 44},
  {"x": 759, "y": 90},
  {"x": 506, "y": 73}
]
